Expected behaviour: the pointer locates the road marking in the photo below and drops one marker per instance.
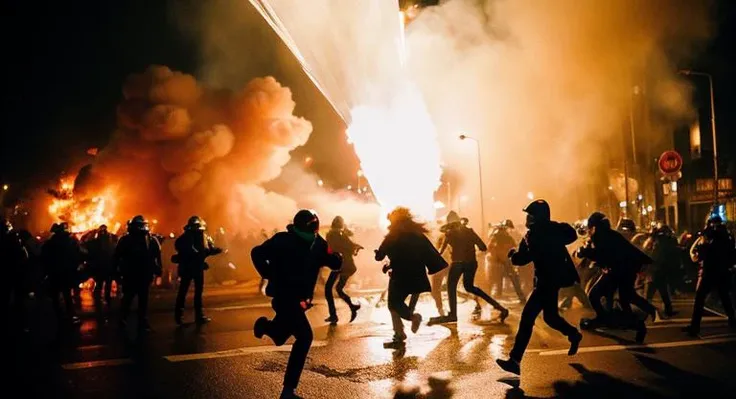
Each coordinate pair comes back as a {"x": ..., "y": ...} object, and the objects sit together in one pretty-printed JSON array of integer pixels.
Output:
[
  {"x": 91, "y": 347},
  {"x": 714, "y": 312},
  {"x": 96, "y": 363},
  {"x": 255, "y": 305},
  {"x": 687, "y": 320},
  {"x": 675, "y": 344},
  {"x": 236, "y": 352}
]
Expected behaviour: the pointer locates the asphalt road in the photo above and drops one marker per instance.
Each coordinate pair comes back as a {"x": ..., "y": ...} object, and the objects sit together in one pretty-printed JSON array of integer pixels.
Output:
[{"x": 224, "y": 360}]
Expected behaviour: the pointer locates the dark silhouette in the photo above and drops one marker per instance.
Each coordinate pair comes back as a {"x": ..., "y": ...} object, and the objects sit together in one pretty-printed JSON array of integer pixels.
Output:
[{"x": 338, "y": 238}]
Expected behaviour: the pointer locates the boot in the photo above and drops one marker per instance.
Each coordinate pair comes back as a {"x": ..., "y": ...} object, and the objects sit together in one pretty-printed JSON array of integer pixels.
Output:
[
  {"x": 510, "y": 365},
  {"x": 354, "y": 311}
]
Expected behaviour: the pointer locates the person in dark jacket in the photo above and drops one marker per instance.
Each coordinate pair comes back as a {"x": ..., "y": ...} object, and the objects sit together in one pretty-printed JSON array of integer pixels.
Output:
[
  {"x": 463, "y": 241},
  {"x": 545, "y": 245},
  {"x": 338, "y": 238},
  {"x": 101, "y": 255},
  {"x": 138, "y": 256},
  {"x": 14, "y": 258},
  {"x": 193, "y": 247},
  {"x": 290, "y": 261},
  {"x": 410, "y": 253},
  {"x": 499, "y": 245},
  {"x": 716, "y": 252},
  {"x": 61, "y": 255},
  {"x": 666, "y": 261},
  {"x": 621, "y": 261}
]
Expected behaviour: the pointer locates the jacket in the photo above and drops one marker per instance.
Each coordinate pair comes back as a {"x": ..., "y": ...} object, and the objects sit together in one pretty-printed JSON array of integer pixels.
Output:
[
  {"x": 545, "y": 245},
  {"x": 411, "y": 255},
  {"x": 463, "y": 241},
  {"x": 138, "y": 256},
  {"x": 612, "y": 250}
]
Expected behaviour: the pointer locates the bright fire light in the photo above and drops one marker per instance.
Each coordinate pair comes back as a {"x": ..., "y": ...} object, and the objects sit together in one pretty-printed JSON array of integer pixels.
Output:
[{"x": 81, "y": 214}]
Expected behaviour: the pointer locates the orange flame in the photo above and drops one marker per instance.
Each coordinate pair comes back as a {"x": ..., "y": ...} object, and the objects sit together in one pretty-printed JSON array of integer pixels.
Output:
[{"x": 82, "y": 214}]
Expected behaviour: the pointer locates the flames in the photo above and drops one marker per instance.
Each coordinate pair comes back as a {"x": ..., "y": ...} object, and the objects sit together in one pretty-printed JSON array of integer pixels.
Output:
[{"x": 82, "y": 214}]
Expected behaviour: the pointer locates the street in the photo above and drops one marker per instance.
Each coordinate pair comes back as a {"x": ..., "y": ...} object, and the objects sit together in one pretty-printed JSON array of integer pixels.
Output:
[{"x": 224, "y": 360}]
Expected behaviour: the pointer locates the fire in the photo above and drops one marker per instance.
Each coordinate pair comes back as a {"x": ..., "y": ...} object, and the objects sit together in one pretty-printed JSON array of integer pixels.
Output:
[
  {"x": 400, "y": 134},
  {"x": 82, "y": 214}
]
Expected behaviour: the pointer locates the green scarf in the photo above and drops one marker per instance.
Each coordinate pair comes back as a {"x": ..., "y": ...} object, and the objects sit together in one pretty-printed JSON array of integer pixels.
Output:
[{"x": 309, "y": 237}]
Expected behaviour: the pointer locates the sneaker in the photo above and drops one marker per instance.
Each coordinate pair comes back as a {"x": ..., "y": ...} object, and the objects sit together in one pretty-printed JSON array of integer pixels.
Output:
[
  {"x": 332, "y": 320},
  {"x": 509, "y": 365},
  {"x": 416, "y": 320},
  {"x": 574, "y": 343},
  {"x": 641, "y": 333},
  {"x": 591, "y": 324},
  {"x": 504, "y": 315},
  {"x": 259, "y": 328},
  {"x": 394, "y": 344},
  {"x": 354, "y": 312}
]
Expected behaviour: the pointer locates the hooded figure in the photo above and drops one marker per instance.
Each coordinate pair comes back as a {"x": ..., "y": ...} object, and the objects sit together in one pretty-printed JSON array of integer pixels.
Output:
[
  {"x": 666, "y": 261},
  {"x": 291, "y": 261},
  {"x": 545, "y": 245},
  {"x": 411, "y": 254},
  {"x": 338, "y": 239}
]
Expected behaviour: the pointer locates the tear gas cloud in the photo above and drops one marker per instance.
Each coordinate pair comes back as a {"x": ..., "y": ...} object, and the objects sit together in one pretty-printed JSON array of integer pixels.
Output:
[{"x": 545, "y": 86}]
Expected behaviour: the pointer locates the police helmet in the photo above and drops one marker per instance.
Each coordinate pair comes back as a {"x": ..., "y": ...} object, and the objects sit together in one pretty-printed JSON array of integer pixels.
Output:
[
  {"x": 138, "y": 223},
  {"x": 539, "y": 209},
  {"x": 338, "y": 222},
  {"x": 196, "y": 223}
]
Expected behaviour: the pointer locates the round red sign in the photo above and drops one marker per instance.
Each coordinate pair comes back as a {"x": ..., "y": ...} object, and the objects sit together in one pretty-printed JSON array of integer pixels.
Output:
[{"x": 670, "y": 162}]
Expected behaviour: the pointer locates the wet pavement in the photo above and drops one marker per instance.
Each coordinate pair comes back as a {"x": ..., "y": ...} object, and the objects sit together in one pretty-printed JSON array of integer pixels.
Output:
[{"x": 224, "y": 360}]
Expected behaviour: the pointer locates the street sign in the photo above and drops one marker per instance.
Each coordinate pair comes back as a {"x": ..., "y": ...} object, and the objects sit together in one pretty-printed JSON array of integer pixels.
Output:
[{"x": 670, "y": 163}]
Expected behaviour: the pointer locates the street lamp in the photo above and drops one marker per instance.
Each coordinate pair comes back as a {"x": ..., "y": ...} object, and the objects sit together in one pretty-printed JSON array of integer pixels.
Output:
[
  {"x": 687, "y": 72},
  {"x": 480, "y": 182},
  {"x": 5, "y": 187}
]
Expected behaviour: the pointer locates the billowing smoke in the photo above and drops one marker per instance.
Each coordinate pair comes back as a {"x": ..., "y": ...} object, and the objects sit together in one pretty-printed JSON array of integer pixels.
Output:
[
  {"x": 183, "y": 149},
  {"x": 548, "y": 88}
]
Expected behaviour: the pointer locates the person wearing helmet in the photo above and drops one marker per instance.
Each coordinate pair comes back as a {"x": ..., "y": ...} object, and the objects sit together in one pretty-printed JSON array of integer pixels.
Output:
[
  {"x": 662, "y": 245},
  {"x": 622, "y": 261},
  {"x": 499, "y": 245},
  {"x": 290, "y": 261},
  {"x": 101, "y": 255},
  {"x": 463, "y": 241},
  {"x": 338, "y": 238},
  {"x": 193, "y": 247},
  {"x": 14, "y": 258},
  {"x": 716, "y": 252},
  {"x": 138, "y": 256},
  {"x": 545, "y": 245},
  {"x": 411, "y": 254},
  {"x": 61, "y": 256}
]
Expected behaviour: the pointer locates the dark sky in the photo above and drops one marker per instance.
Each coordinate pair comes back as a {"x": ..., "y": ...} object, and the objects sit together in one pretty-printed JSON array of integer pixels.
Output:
[{"x": 65, "y": 63}]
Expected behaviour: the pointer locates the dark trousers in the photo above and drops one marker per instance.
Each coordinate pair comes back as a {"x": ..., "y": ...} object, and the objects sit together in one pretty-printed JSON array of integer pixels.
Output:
[
  {"x": 341, "y": 279},
  {"x": 627, "y": 295},
  {"x": 291, "y": 320},
  {"x": 603, "y": 288},
  {"x": 661, "y": 284},
  {"x": 103, "y": 280},
  {"x": 131, "y": 289},
  {"x": 512, "y": 275},
  {"x": 186, "y": 279},
  {"x": 542, "y": 299},
  {"x": 59, "y": 289},
  {"x": 399, "y": 309},
  {"x": 707, "y": 282},
  {"x": 467, "y": 270}
]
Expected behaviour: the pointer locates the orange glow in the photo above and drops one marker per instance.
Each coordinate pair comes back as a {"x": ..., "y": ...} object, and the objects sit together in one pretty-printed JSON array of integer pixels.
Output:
[{"x": 81, "y": 214}]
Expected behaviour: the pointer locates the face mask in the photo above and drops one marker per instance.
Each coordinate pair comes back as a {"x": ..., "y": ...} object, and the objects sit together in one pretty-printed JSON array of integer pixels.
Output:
[{"x": 309, "y": 237}]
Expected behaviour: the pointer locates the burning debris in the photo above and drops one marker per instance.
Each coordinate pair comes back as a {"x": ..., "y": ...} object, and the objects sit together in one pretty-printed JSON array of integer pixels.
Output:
[{"x": 82, "y": 213}]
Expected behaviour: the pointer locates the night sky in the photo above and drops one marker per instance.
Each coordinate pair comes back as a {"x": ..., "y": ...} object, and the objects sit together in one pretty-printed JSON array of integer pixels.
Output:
[{"x": 65, "y": 64}]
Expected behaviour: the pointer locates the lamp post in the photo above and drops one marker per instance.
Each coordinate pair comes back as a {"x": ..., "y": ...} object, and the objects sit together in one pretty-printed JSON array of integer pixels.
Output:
[
  {"x": 687, "y": 72},
  {"x": 480, "y": 182}
]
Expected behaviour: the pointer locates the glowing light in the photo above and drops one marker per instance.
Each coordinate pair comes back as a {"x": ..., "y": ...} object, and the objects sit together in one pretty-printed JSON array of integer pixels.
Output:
[
  {"x": 610, "y": 188},
  {"x": 320, "y": 183},
  {"x": 650, "y": 208},
  {"x": 154, "y": 221},
  {"x": 308, "y": 161},
  {"x": 82, "y": 214},
  {"x": 349, "y": 187},
  {"x": 463, "y": 198},
  {"x": 530, "y": 195},
  {"x": 5, "y": 187},
  {"x": 644, "y": 212},
  {"x": 640, "y": 197},
  {"x": 622, "y": 204},
  {"x": 360, "y": 173},
  {"x": 673, "y": 186},
  {"x": 172, "y": 235},
  {"x": 439, "y": 205}
]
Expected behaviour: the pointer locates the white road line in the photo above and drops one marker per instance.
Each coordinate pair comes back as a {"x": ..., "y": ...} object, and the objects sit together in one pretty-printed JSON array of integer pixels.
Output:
[
  {"x": 715, "y": 312},
  {"x": 687, "y": 319},
  {"x": 254, "y": 306},
  {"x": 90, "y": 347},
  {"x": 675, "y": 344},
  {"x": 96, "y": 363},
  {"x": 236, "y": 352}
]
